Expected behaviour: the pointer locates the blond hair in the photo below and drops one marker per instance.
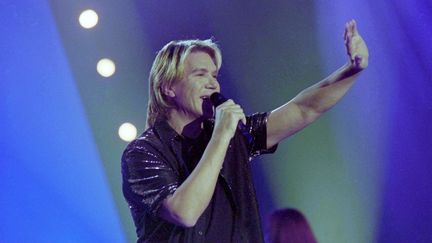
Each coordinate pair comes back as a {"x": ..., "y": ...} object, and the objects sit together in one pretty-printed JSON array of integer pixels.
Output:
[{"x": 168, "y": 68}]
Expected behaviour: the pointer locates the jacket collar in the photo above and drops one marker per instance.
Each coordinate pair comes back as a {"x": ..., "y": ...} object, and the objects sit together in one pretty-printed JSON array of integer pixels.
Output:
[{"x": 167, "y": 133}]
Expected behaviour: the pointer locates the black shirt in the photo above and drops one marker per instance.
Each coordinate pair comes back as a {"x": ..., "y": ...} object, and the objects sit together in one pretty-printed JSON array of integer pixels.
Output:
[
  {"x": 220, "y": 208},
  {"x": 155, "y": 164},
  {"x": 221, "y": 211}
]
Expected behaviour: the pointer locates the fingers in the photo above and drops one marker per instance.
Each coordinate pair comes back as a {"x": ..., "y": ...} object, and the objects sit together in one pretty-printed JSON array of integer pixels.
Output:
[
  {"x": 230, "y": 107},
  {"x": 228, "y": 115},
  {"x": 244, "y": 119},
  {"x": 354, "y": 27},
  {"x": 350, "y": 31},
  {"x": 355, "y": 46},
  {"x": 350, "y": 36}
]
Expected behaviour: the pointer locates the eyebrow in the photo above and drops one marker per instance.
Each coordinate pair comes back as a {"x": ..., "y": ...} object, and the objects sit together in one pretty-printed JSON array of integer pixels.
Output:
[{"x": 203, "y": 70}]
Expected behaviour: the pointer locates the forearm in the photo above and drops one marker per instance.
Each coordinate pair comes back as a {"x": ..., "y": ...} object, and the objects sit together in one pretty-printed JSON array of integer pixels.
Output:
[
  {"x": 308, "y": 105},
  {"x": 318, "y": 98},
  {"x": 192, "y": 197}
]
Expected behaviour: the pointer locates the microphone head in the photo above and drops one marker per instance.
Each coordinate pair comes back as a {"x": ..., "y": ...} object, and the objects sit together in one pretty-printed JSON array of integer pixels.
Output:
[{"x": 217, "y": 99}]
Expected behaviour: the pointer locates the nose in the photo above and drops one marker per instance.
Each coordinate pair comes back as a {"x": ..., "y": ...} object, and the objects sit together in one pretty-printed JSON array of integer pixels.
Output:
[{"x": 212, "y": 83}]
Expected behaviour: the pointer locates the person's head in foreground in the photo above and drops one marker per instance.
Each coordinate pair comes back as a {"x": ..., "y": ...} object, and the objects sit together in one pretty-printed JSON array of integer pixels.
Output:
[{"x": 289, "y": 226}]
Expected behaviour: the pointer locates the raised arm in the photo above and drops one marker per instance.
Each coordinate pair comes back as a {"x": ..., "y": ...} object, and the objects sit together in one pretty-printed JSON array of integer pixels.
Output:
[{"x": 312, "y": 102}]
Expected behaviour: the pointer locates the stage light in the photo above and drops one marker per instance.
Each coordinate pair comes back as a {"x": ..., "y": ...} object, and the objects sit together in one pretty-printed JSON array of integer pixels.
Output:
[
  {"x": 105, "y": 67},
  {"x": 88, "y": 19},
  {"x": 127, "y": 132}
]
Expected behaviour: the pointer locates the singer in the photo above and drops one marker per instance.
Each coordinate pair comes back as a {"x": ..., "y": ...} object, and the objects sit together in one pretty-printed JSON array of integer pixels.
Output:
[{"x": 187, "y": 177}]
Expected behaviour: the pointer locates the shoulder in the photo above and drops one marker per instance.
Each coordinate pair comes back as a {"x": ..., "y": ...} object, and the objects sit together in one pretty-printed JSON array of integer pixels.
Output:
[
  {"x": 257, "y": 121},
  {"x": 259, "y": 116},
  {"x": 147, "y": 143}
]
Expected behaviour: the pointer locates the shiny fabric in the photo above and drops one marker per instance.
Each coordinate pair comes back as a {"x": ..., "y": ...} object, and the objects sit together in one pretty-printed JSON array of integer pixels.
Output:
[{"x": 153, "y": 168}]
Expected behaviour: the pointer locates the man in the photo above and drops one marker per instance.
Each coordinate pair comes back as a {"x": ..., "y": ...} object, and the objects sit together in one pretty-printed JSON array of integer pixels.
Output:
[{"x": 187, "y": 177}]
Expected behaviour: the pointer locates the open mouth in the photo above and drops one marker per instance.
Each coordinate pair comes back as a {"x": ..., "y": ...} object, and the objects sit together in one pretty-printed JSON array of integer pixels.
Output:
[{"x": 206, "y": 102}]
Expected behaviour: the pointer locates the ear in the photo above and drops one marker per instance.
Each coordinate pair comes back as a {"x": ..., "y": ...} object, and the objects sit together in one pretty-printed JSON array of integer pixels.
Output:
[{"x": 168, "y": 91}]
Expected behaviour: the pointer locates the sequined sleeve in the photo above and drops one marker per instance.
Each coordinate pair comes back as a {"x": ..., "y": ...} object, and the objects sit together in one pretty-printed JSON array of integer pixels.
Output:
[
  {"x": 257, "y": 127},
  {"x": 147, "y": 177}
]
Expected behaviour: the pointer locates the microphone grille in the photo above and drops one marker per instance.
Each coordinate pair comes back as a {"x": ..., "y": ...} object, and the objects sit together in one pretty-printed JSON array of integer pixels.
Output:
[{"x": 217, "y": 99}]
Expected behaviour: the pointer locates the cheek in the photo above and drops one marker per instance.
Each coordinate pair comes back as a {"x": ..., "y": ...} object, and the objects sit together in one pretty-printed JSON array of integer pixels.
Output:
[{"x": 218, "y": 87}]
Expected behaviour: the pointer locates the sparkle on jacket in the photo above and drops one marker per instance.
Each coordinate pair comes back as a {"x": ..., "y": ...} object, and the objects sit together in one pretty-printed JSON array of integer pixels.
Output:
[{"x": 153, "y": 168}]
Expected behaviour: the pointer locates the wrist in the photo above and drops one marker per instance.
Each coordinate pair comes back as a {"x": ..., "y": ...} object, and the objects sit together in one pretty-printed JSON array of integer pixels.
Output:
[
  {"x": 351, "y": 68},
  {"x": 222, "y": 138}
]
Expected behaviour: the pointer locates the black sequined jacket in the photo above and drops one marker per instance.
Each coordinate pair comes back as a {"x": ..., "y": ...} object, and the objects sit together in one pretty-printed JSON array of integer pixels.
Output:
[{"x": 153, "y": 168}]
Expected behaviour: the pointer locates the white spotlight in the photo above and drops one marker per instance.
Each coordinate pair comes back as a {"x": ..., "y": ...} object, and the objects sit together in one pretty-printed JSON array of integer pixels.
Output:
[
  {"x": 105, "y": 67},
  {"x": 127, "y": 132},
  {"x": 88, "y": 19}
]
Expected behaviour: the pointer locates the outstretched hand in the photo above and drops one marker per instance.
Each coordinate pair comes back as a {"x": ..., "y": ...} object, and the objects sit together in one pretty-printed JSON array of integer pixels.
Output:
[{"x": 356, "y": 47}]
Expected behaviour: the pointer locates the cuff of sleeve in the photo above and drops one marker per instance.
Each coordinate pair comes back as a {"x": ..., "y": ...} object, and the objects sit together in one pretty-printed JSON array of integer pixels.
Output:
[{"x": 156, "y": 205}]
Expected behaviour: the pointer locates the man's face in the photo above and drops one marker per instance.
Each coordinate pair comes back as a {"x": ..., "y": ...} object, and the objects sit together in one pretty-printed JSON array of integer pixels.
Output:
[{"x": 199, "y": 82}]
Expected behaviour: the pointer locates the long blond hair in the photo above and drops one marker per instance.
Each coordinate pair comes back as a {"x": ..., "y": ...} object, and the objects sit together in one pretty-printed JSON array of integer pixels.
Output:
[{"x": 168, "y": 68}]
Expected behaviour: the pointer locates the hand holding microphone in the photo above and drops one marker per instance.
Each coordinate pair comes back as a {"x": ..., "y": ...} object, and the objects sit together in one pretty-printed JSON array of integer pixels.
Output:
[{"x": 227, "y": 110}]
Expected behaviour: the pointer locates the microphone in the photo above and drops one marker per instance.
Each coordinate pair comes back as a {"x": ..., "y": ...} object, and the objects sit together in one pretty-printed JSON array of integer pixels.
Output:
[{"x": 217, "y": 99}]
